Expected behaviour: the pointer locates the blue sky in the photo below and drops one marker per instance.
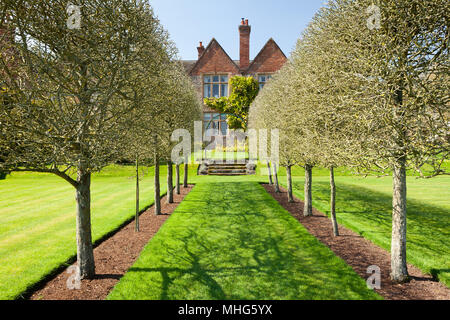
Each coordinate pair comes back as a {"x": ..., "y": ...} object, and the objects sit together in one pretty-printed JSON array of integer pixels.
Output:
[{"x": 191, "y": 21}]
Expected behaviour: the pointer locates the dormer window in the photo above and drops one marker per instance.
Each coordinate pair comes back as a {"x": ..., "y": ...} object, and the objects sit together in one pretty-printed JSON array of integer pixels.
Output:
[{"x": 215, "y": 86}]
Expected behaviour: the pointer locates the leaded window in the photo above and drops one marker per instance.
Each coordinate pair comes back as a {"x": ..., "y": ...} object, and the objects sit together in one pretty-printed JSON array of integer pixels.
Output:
[
  {"x": 216, "y": 123},
  {"x": 215, "y": 86},
  {"x": 262, "y": 79}
]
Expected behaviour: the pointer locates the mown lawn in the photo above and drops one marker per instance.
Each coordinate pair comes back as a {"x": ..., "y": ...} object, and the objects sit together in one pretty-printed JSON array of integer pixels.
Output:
[
  {"x": 365, "y": 205},
  {"x": 37, "y": 216},
  {"x": 231, "y": 240},
  {"x": 37, "y": 220}
]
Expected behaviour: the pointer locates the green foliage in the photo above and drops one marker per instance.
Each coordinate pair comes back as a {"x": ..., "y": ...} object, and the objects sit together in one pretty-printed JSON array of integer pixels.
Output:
[
  {"x": 218, "y": 104},
  {"x": 243, "y": 92}
]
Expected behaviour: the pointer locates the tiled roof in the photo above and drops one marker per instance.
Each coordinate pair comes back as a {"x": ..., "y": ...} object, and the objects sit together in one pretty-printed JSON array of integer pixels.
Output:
[{"x": 188, "y": 64}]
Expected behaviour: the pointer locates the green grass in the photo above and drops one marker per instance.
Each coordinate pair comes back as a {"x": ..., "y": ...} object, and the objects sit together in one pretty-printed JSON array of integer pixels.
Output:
[
  {"x": 343, "y": 171},
  {"x": 232, "y": 240},
  {"x": 37, "y": 216},
  {"x": 37, "y": 220},
  {"x": 365, "y": 206}
]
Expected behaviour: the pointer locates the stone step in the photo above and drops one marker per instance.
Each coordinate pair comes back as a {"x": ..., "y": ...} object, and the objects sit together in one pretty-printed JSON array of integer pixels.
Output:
[
  {"x": 227, "y": 168},
  {"x": 227, "y": 174},
  {"x": 228, "y": 164},
  {"x": 226, "y": 171}
]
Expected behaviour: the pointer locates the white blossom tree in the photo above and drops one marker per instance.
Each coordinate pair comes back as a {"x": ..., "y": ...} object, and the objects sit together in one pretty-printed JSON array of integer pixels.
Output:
[
  {"x": 397, "y": 84},
  {"x": 369, "y": 89},
  {"x": 72, "y": 99}
]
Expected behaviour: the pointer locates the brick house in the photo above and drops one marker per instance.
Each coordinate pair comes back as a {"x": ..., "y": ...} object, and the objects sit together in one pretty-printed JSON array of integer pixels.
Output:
[{"x": 212, "y": 72}]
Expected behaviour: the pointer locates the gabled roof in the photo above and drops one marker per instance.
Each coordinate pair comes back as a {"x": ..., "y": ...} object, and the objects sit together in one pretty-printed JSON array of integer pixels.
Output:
[
  {"x": 259, "y": 59},
  {"x": 188, "y": 64},
  {"x": 213, "y": 44}
]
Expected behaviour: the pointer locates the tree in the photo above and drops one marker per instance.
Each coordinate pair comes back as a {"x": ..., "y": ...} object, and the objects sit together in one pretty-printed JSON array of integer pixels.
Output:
[
  {"x": 172, "y": 105},
  {"x": 284, "y": 103},
  {"x": 4, "y": 101},
  {"x": 186, "y": 173},
  {"x": 369, "y": 89},
  {"x": 72, "y": 106},
  {"x": 388, "y": 80},
  {"x": 412, "y": 101},
  {"x": 270, "y": 111},
  {"x": 397, "y": 85},
  {"x": 9, "y": 58},
  {"x": 183, "y": 109},
  {"x": 145, "y": 86},
  {"x": 243, "y": 92},
  {"x": 318, "y": 61}
]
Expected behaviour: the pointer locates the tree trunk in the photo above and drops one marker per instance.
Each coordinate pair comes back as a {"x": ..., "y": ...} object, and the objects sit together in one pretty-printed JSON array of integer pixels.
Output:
[
  {"x": 137, "y": 196},
  {"x": 177, "y": 173},
  {"x": 307, "y": 210},
  {"x": 85, "y": 252},
  {"x": 333, "y": 203},
  {"x": 157, "y": 186},
  {"x": 275, "y": 173},
  {"x": 399, "y": 269},
  {"x": 186, "y": 169},
  {"x": 169, "y": 182},
  {"x": 270, "y": 173},
  {"x": 289, "y": 184}
]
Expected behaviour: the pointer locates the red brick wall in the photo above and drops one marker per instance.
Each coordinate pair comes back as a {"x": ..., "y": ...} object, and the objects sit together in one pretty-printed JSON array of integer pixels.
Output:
[
  {"x": 269, "y": 60},
  {"x": 244, "y": 46},
  {"x": 214, "y": 60}
]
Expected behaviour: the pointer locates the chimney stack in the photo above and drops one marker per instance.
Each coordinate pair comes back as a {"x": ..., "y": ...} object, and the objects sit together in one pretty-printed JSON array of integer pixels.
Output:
[
  {"x": 244, "y": 45},
  {"x": 200, "y": 49}
]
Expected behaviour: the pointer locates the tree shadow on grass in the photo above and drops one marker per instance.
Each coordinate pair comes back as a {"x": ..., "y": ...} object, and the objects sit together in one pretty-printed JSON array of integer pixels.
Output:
[
  {"x": 267, "y": 268},
  {"x": 108, "y": 276},
  {"x": 230, "y": 246},
  {"x": 368, "y": 213}
]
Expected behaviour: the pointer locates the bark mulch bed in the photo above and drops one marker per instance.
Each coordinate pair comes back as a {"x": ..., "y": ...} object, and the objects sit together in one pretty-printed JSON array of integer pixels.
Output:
[
  {"x": 360, "y": 253},
  {"x": 113, "y": 257}
]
